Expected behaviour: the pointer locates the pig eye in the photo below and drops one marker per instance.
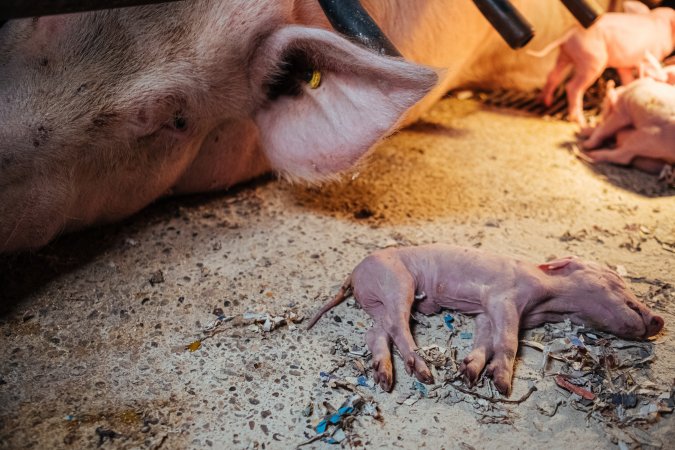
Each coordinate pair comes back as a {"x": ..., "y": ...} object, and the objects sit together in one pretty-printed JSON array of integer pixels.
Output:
[
  {"x": 633, "y": 306},
  {"x": 179, "y": 123}
]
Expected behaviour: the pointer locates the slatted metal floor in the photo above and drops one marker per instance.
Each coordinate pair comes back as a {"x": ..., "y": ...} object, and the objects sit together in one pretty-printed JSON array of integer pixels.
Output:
[{"x": 528, "y": 101}]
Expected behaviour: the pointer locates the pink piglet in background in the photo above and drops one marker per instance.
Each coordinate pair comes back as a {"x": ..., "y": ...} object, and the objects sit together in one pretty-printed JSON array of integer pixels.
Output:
[
  {"x": 617, "y": 40},
  {"x": 652, "y": 68},
  {"x": 641, "y": 116}
]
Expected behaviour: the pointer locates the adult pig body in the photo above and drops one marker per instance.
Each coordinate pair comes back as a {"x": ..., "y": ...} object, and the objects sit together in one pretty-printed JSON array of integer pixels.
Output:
[
  {"x": 505, "y": 294},
  {"x": 104, "y": 112}
]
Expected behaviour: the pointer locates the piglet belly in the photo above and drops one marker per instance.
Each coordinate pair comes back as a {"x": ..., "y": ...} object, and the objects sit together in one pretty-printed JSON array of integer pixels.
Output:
[{"x": 464, "y": 305}]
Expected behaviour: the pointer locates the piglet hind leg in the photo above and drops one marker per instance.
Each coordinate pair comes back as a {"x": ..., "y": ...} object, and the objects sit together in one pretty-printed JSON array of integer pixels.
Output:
[
  {"x": 555, "y": 77},
  {"x": 378, "y": 342},
  {"x": 399, "y": 330},
  {"x": 389, "y": 302},
  {"x": 585, "y": 74}
]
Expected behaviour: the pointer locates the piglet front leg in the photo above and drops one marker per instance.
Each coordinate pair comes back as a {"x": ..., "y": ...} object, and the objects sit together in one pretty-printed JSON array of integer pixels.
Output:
[
  {"x": 505, "y": 323},
  {"x": 496, "y": 342},
  {"x": 472, "y": 366}
]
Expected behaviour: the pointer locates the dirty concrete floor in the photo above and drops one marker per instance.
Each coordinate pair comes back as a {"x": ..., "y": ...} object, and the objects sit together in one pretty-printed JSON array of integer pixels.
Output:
[{"x": 93, "y": 337}]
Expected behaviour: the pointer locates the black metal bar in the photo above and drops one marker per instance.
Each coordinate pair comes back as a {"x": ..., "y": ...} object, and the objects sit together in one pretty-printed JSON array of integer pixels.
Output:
[
  {"x": 585, "y": 11},
  {"x": 508, "y": 22},
  {"x": 349, "y": 18},
  {"x": 14, "y": 9}
]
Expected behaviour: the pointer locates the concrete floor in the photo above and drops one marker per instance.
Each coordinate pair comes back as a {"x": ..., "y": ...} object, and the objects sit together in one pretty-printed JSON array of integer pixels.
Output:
[{"x": 94, "y": 337}]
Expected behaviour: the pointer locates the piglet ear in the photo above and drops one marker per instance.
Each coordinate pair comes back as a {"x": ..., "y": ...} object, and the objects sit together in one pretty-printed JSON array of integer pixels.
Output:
[
  {"x": 327, "y": 101},
  {"x": 556, "y": 264}
]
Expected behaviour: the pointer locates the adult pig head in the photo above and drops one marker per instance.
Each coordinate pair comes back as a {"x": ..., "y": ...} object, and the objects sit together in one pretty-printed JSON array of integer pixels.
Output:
[{"x": 104, "y": 112}]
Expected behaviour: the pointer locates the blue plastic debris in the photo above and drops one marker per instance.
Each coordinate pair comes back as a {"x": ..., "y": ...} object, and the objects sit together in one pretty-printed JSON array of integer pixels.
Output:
[
  {"x": 577, "y": 342},
  {"x": 363, "y": 381},
  {"x": 334, "y": 418},
  {"x": 448, "y": 319},
  {"x": 325, "y": 376},
  {"x": 421, "y": 387},
  {"x": 466, "y": 335}
]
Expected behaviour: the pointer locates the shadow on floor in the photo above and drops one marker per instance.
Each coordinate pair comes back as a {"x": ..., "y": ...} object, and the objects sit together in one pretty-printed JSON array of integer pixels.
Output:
[{"x": 23, "y": 274}]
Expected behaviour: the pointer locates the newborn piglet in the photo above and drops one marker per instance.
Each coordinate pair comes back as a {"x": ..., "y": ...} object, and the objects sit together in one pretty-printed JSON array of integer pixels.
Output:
[
  {"x": 503, "y": 293},
  {"x": 617, "y": 40},
  {"x": 641, "y": 116}
]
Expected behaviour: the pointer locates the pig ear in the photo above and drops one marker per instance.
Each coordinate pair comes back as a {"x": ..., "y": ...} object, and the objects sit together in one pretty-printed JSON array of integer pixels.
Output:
[
  {"x": 327, "y": 101},
  {"x": 556, "y": 264}
]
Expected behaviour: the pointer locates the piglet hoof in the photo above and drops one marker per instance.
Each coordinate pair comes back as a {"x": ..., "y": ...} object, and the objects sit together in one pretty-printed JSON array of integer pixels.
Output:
[
  {"x": 501, "y": 378},
  {"x": 414, "y": 364},
  {"x": 472, "y": 366},
  {"x": 383, "y": 374}
]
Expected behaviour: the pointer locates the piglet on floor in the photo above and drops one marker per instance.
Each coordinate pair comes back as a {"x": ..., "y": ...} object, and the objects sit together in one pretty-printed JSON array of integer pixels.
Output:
[
  {"x": 503, "y": 293},
  {"x": 641, "y": 116}
]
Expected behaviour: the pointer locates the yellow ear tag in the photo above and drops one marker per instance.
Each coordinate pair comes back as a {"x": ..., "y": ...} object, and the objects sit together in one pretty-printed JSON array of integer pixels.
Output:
[{"x": 315, "y": 80}]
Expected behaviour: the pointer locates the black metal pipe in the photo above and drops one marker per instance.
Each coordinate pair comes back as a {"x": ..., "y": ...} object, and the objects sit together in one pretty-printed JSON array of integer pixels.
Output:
[
  {"x": 585, "y": 11},
  {"x": 14, "y": 9},
  {"x": 508, "y": 22},
  {"x": 349, "y": 18}
]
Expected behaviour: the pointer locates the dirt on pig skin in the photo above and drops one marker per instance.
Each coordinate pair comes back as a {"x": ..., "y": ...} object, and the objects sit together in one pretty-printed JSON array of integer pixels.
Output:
[{"x": 88, "y": 342}]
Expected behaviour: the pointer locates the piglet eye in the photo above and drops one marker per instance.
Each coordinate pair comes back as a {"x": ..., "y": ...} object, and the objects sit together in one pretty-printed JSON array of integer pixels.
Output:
[
  {"x": 633, "y": 306},
  {"x": 179, "y": 123}
]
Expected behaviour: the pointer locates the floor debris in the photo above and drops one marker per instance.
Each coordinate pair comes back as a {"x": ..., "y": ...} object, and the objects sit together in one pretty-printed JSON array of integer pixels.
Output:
[
  {"x": 253, "y": 321},
  {"x": 337, "y": 424},
  {"x": 448, "y": 319},
  {"x": 607, "y": 377}
]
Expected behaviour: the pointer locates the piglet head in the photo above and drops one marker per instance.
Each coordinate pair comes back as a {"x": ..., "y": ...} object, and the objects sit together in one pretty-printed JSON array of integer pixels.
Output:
[{"x": 597, "y": 296}]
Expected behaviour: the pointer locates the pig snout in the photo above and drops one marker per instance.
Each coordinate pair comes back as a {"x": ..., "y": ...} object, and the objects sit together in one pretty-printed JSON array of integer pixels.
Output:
[
  {"x": 635, "y": 321},
  {"x": 652, "y": 323}
]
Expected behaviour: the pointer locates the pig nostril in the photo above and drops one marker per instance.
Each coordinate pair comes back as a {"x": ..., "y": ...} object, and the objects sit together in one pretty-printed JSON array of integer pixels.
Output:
[{"x": 656, "y": 324}]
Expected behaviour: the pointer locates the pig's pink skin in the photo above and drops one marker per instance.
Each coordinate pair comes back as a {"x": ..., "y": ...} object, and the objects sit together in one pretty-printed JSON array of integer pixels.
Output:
[
  {"x": 88, "y": 101},
  {"x": 643, "y": 114},
  {"x": 93, "y": 129},
  {"x": 505, "y": 295},
  {"x": 617, "y": 40}
]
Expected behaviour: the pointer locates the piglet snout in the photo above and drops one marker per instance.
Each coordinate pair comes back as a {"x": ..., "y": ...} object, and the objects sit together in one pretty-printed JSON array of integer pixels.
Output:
[{"x": 653, "y": 324}]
